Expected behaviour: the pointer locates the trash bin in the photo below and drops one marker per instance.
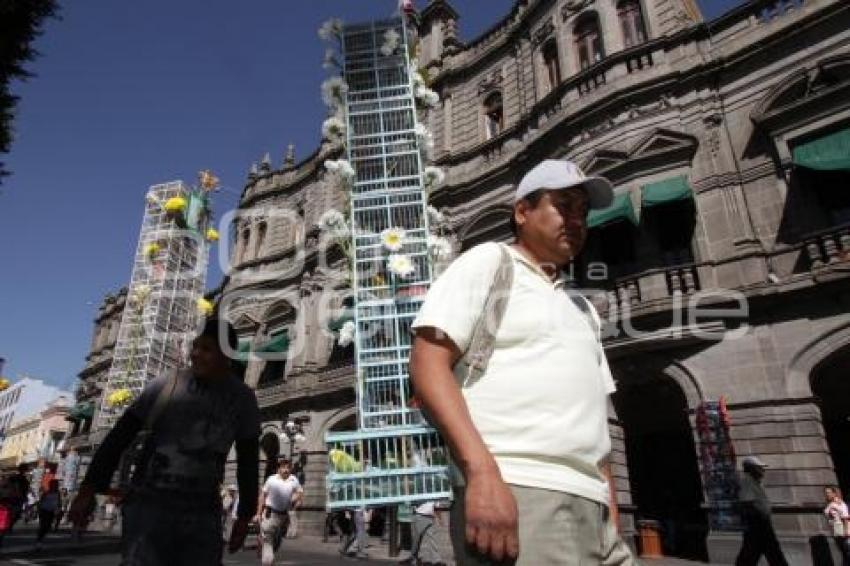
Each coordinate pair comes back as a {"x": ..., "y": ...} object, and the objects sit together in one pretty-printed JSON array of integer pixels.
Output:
[{"x": 649, "y": 535}]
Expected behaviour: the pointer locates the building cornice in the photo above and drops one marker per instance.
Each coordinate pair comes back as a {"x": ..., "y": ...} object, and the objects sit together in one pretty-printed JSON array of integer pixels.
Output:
[{"x": 290, "y": 179}]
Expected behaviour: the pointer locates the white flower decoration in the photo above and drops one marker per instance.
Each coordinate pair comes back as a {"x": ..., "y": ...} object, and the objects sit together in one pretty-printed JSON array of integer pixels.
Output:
[
  {"x": 346, "y": 334},
  {"x": 391, "y": 38},
  {"x": 393, "y": 238},
  {"x": 435, "y": 217},
  {"x": 415, "y": 76},
  {"x": 400, "y": 266},
  {"x": 333, "y": 128},
  {"x": 140, "y": 294},
  {"x": 331, "y": 29},
  {"x": 426, "y": 138},
  {"x": 433, "y": 177},
  {"x": 440, "y": 248},
  {"x": 427, "y": 96},
  {"x": 334, "y": 223},
  {"x": 342, "y": 168},
  {"x": 334, "y": 90}
]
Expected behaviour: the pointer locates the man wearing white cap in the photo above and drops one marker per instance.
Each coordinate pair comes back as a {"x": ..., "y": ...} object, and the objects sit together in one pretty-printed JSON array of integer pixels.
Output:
[
  {"x": 759, "y": 536},
  {"x": 529, "y": 435}
]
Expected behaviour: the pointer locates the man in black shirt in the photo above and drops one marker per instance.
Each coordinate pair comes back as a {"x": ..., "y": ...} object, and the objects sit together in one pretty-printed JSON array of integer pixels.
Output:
[{"x": 172, "y": 514}]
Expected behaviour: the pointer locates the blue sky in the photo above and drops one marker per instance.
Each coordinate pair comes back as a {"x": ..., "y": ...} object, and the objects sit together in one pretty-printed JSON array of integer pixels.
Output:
[{"x": 132, "y": 94}]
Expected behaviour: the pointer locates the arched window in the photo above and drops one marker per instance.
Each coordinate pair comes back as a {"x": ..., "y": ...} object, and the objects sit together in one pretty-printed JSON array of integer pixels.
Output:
[
  {"x": 631, "y": 21},
  {"x": 552, "y": 64},
  {"x": 243, "y": 248},
  {"x": 588, "y": 41},
  {"x": 261, "y": 239},
  {"x": 494, "y": 116}
]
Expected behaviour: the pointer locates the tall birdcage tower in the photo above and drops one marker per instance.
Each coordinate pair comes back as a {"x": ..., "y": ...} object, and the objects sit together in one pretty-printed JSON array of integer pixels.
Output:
[
  {"x": 165, "y": 293},
  {"x": 395, "y": 456}
]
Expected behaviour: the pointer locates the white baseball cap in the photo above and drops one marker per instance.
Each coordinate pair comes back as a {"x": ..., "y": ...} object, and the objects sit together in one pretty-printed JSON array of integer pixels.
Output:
[
  {"x": 562, "y": 174},
  {"x": 752, "y": 461}
]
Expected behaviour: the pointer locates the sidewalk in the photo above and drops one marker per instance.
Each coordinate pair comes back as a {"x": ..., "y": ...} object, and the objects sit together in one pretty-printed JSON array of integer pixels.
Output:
[{"x": 20, "y": 543}]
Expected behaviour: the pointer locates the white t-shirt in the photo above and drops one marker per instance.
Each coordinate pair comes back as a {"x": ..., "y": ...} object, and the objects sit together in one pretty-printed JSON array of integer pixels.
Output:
[
  {"x": 837, "y": 510},
  {"x": 278, "y": 492},
  {"x": 542, "y": 405}
]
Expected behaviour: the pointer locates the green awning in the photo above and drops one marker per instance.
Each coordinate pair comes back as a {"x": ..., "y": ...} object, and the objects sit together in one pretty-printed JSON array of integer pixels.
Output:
[
  {"x": 243, "y": 349},
  {"x": 336, "y": 324},
  {"x": 827, "y": 153},
  {"x": 620, "y": 209},
  {"x": 81, "y": 411},
  {"x": 668, "y": 190},
  {"x": 278, "y": 343}
]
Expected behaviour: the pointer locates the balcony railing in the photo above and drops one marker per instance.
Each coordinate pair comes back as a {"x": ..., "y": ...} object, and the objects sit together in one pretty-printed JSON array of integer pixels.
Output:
[
  {"x": 307, "y": 384},
  {"x": 650, "y": 287}
]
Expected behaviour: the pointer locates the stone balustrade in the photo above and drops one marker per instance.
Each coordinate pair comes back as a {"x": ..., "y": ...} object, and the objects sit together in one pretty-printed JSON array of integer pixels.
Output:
[
  {"x": 828, "y": 247},
  {"x": 307, "y": 384},
  {"x": 651, "y": 287}
]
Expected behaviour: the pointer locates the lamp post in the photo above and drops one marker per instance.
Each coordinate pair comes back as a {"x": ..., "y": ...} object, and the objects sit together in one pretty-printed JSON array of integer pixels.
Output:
[{"x": 293, "y": 431}]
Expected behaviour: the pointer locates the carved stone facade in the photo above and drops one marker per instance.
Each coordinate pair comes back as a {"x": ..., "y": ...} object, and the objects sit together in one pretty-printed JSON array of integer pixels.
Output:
[
  {"x": 722, "y": 103},
  {"x": 92, "y": 378}
]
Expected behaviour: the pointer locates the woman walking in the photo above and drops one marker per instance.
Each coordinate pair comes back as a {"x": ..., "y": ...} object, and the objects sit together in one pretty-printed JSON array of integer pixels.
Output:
[
  {"x": 839, "y": 521},
  {"x": 48, "y": 506}
]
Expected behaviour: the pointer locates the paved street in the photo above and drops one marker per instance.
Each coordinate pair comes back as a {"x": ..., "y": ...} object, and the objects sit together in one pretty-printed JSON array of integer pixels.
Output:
[{"x": 101, "y": 550}]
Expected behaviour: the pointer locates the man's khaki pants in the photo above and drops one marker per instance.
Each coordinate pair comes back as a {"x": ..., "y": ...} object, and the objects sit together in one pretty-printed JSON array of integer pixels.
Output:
[
  {"x": 555, "y": 529},
  {"x": 273, "y": 528}
]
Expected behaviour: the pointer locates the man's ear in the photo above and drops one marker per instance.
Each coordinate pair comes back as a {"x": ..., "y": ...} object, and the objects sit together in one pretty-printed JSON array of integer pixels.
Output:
[{"x": 520, "y": 212}]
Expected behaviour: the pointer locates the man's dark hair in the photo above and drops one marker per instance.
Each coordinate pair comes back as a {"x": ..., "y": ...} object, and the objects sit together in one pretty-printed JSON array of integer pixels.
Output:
[
  {"x": 532, "y": 198},
  {"x": 284, "y": 460},
  {"x": 211, "y": 328}
]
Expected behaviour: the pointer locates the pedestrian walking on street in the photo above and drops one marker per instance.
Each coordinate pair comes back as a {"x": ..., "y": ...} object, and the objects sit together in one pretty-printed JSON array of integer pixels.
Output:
[
  {"x": 189, "y": 421},
  {"x": 838, "y": 516},
  {"x": 281, "y": 493},
  {"x": 228, "y": 508},
  {"x": 37, "y": 475},
  {"x": 759, "y": 535},
  {"x": 110, "y": 513},
  {"x": 356, "y": 540},
  {"x": 48, "y": 505},
  {"x": 63, "y": 509},
  {"x": 528, "y": 424},
  {"x": 424, "y": 547}
]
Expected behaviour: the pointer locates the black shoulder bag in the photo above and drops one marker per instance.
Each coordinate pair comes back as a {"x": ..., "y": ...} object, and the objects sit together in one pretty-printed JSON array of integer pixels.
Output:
[{"x": 140, "y": 453}]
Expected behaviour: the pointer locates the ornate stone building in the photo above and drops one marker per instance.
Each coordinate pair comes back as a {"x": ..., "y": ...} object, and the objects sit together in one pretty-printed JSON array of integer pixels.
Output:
[
  {"x": 728, "y": 144},
  {"x": 93, "y": 377}
]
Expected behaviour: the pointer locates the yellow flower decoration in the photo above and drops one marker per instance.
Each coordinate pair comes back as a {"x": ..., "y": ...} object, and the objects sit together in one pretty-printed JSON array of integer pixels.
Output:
[
  {"x": 205, "y": 307},
  {"x": 4, "y": 383},
  {"x": 208, "y": 180},
  {"x": 119, "y": 397},
  {"x": 152, "y": 249},
  {"x": 212, "y": 235},
  {"x": 175, "y": 205}
]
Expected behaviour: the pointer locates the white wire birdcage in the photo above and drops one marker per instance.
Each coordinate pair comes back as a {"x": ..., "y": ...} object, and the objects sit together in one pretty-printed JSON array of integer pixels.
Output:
[
  {"x": 160, "y": 314},
  {"x": 395, "y": 456}
]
